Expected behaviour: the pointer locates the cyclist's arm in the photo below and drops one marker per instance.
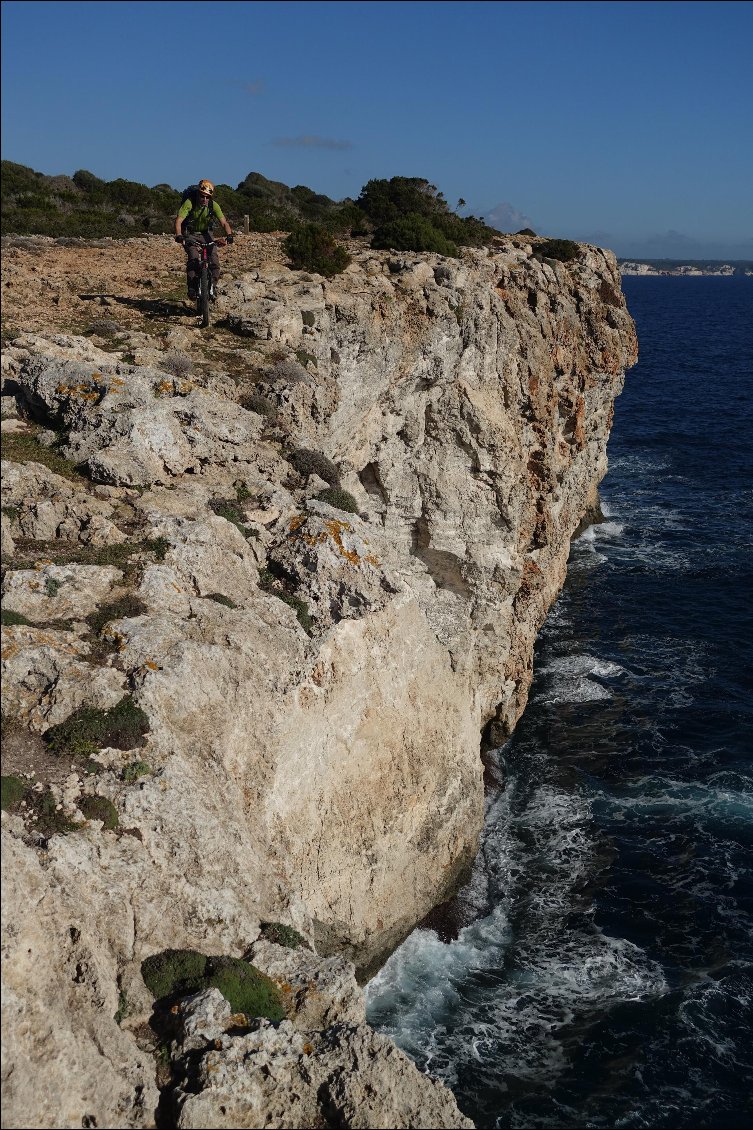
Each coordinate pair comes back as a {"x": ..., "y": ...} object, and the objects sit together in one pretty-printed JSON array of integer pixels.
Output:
[
  {"x": 219, "y": 214},
  {"x": 185, "y": 209}
]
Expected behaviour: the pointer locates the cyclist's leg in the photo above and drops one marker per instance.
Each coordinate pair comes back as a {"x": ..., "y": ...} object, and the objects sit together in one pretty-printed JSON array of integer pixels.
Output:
[
  {"x": 214, "y": 265},
  {"x": 193, "y": 265}
]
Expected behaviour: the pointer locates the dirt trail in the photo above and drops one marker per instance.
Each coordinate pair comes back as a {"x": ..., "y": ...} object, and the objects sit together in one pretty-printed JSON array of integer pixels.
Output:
[{"x": 50, "y": 287}]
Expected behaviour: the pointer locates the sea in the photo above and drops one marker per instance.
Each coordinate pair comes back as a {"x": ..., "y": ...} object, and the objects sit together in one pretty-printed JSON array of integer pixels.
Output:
[{"x": 596, "y": 970}]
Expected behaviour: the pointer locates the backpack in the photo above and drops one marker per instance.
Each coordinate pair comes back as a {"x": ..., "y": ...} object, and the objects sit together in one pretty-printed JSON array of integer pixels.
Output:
[{"x": 192, "y": 193}]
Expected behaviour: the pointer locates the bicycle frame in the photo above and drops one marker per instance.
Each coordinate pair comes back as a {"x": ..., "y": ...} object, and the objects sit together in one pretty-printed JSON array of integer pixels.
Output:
[{"x": 206, "y": 287}]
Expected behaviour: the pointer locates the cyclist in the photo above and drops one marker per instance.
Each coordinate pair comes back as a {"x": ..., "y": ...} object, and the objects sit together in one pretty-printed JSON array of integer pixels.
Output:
[{"x": 193, "y": 226}]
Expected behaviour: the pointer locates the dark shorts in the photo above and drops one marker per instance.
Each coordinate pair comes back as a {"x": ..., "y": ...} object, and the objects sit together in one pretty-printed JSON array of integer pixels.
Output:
[{"x": 193, "y": 243}]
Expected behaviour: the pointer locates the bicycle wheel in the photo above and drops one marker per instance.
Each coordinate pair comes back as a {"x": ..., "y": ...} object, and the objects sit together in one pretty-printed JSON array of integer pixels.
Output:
[{"x": 204, "y": 295}]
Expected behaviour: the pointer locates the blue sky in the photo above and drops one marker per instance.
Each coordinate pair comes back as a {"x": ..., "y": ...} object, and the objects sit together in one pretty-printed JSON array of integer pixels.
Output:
[{"x": 628, "y": 124}]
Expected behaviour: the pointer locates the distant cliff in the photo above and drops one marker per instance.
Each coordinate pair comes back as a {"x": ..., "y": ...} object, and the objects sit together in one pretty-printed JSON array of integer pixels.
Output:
[
  {"x": 311, "y": 549},
  {"x": 678, "y": 267}
]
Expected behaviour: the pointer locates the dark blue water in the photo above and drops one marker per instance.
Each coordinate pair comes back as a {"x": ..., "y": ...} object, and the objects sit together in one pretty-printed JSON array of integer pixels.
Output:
[{"x": 604, "y": 974}]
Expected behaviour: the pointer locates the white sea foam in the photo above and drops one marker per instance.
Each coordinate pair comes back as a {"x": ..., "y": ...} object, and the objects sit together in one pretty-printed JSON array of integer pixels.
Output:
[
  {"x": 573, "y": 678},
  {"x": 498, "y": 1000},
  {"x": 602, "y": 530}
]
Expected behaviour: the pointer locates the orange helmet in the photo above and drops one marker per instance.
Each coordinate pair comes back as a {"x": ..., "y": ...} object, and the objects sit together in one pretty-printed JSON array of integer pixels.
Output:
[{"x": 207, "y": 187}]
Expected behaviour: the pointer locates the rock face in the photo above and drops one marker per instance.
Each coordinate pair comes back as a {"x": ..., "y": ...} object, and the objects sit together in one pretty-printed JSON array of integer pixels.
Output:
[{"x": 315, "y": 680}]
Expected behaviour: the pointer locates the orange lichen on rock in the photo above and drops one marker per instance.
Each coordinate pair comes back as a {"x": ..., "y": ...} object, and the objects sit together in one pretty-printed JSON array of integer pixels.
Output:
[{"x": 334, "y": 530}]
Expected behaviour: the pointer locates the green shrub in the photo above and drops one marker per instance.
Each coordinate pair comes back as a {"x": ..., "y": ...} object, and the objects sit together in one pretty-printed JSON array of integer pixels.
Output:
[
  {"x": 24, "y": 447},
  {"x": 310, "y": 247},
  {"x": 220, "y": 599},
  {"x": 526, "y": 231},
  {"x": 255, "y": 402},
  {"x": 413, "y": 233},
  {"x": 120, "y": 609},
  {"x": 563, "y": 249},
  {"x": 89, "y": 729},
  {"x": 100, "y": 808},
  {"x": 397, "y": 208},
  {"x": 135, "y": 770},
  {"x": 283, "y": 935},
  {"x": 300, "y": 608},
  {"x": 177, "y": 364},
  {"x": 303, "y": 358},
  {"x": 229, "y": 509},
  {"x": 12, "y": 790},
  {"x": 309, "y": 463},
  {"x": 157, "y": 546},
  {"x": 52, "y": 586},
  {"x": 348, "y": 219},
  {"x": 49, "y": 820},
  {"x": 103, "y": 327},
  {"x": 173, "y": 971},
  {"x": 386, "y": 200},
  {"x": 123, "y": 1008},
  {"x": 11, "y": 619},
  {"x": 245, "y": 988},
  {"x": 340, "y": 499}
]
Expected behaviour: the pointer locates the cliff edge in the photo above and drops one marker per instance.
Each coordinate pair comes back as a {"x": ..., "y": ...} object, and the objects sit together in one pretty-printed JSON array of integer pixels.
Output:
[{"x": 264, "y": 587}]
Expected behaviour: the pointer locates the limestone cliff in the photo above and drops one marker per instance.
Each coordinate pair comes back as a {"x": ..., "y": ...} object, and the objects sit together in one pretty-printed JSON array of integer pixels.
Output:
[{"x": 316, "y": 680}]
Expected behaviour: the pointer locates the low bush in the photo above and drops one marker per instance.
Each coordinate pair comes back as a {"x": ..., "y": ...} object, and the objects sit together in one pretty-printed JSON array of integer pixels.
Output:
[
  {"x": 245, "y": 988},
  {"x": 340, "y": 499},
  {"x": 179, "y": 972},
  {"x": 177, "y": 364},
  {"x": 24, "y": 447},
  {"x": 283, "y": 936},
  {"x": 103, "y": 327},
  {"x": 564, "y": 250},
  {"x": 413, "y": 233},
  {"x": 173, "y": 971},
  {"x": 12, "y": 791},
  {"x": 310, "y": 247},
  {"x": 120, "y": 609},
  {"x": 89, "y": 729},
  {"x": 255, "y": 402},
  {"x": 100, "y": 808},
  {"x": 220, "y": 599},
  {"x": 231, "y": 511},
  {"x": 308, "y": 463},
  {"x": 300, "y": 608},
  {"x": 12, "y": 619},
  {"x": 48, "y": 819},
  {"x": 135, "y": 770},
  {"x": 157, "y": 546}
]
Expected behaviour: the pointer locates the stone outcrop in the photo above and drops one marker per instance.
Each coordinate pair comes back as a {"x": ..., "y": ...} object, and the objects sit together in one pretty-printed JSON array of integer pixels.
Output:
[{"x": 315, "y": 680}]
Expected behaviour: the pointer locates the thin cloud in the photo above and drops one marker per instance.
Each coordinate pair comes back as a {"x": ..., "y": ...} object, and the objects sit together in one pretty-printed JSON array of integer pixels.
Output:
[
  {"x": 506, "y": 217},
  {"x": 254, "y": 88},
  {"x": 311, "y": 141}
]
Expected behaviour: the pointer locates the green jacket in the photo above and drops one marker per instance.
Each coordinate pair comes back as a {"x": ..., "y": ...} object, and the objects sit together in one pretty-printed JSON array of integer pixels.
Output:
[{"x": 201, "y": 218}]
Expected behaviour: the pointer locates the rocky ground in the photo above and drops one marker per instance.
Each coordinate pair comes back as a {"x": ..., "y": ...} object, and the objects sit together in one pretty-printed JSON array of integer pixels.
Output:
[{"x": 263, "y": 586}]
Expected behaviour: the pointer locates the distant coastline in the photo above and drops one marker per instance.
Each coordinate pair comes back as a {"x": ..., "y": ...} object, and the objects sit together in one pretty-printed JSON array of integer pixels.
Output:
[{"x": 686, "y": 267}]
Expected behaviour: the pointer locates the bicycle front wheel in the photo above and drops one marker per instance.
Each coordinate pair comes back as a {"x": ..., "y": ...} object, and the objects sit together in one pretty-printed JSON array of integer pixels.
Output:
[{"x": 204, "y": 296}]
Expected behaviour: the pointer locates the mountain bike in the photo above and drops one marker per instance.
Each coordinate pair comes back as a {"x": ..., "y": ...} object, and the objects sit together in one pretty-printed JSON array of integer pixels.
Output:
[{"x": 206, "y": 286}]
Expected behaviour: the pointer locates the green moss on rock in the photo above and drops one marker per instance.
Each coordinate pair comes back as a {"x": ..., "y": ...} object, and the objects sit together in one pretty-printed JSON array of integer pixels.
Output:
[
  {"x": 100, "y": 808},
  {"x": 12, "y": 791},
  {"x": 245, "y": 988},
  {"x": 340, "y": 499},
  {"x": 12, "y": 619},
  {"x": 283, "y": 935},
  {"x": 173, "y": 971},
  {"x": 123, "y": 726}
]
